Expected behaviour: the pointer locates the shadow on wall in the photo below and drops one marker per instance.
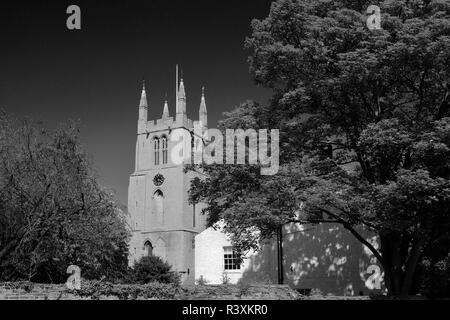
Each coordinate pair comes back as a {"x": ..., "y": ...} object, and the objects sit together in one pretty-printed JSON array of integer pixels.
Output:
[{"x": 325, "y": 258}]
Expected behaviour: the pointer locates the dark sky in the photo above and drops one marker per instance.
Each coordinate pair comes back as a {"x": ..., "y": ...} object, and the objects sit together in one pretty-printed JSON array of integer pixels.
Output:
[{"x": 94, "y": 75}]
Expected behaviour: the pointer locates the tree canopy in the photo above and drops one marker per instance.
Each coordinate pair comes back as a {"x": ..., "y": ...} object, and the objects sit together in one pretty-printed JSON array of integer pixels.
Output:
[
  {"x": 364, "y": 131},
  {"x": 53, "y": 213}
]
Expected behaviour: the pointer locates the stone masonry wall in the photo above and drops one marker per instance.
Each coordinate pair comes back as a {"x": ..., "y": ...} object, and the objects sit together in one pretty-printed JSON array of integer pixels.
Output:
[
  {"x": 17, "y": 291},
  {"x": 37, "y": 292}
]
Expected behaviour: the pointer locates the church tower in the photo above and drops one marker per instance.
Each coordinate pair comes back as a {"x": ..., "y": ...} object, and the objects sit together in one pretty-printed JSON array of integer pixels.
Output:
[{"x": 163, "y": 222}]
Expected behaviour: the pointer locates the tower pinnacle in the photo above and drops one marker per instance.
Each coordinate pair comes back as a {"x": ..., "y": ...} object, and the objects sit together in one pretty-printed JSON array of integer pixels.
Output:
[
  {"x": 182, "y": 91},
  {"x": 203, "y": 102},
  {"x": 166, "y": 110},
  {"x": 181, "y": 98},
  {"x": 143, "y": 110},
  {"x": 143, "y": 103},
  {"x": 203, "y": 115}
]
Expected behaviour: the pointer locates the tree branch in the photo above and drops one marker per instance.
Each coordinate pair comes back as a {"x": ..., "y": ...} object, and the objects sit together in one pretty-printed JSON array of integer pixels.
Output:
[{"x": 347, "y": 226}]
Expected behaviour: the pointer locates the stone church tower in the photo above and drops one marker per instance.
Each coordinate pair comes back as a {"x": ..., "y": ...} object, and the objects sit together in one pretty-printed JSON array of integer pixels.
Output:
[{"x": 163, "y": 222}]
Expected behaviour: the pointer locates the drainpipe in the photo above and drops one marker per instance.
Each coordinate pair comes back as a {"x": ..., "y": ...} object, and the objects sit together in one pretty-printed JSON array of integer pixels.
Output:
[{"x": 280, "y": 255}]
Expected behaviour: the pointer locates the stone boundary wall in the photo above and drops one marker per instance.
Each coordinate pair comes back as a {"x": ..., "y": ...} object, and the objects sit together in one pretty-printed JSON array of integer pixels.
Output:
[
  {"x": 37, "y": 292},
  {"x": 16, "y": 291},
  {"x": 237, "y": 292}
]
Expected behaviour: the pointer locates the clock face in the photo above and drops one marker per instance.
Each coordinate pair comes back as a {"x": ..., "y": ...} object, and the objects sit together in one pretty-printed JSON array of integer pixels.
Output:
[{"x": 158, "y": 180}]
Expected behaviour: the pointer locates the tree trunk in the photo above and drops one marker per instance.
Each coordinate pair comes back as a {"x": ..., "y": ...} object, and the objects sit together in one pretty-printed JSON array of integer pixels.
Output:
[
  {"x": 392, "y": 263},
  {"x": 411, "y": 266},
  {"x": 399, "y": 268}
]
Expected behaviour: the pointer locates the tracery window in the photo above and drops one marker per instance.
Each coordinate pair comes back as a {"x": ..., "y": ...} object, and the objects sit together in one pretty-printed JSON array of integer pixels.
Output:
[
  {"x": 156, "y": 149},
  {"x": 164, "y": 150}
]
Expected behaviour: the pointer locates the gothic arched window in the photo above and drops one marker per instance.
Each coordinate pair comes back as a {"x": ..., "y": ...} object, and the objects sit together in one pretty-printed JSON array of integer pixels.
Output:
[
  {"x": 164, "y": 150},
  {"x": 156, "y": 148},
  {"x": 158, "y": 198},
  {"x": 192, "y": 148},
  {"x": 148, "y": 249}
]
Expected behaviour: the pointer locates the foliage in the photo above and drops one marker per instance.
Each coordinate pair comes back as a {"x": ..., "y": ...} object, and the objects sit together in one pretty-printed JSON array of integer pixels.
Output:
[
  {"x": 225, "y": 279},
  {"x": 18, "y": 285},
  {"x": 153, "y": 269},
  {"x": 152, "y": 290},
  {"x": 244, "y": 287},
  {"x": 316, "y": 293},
  {"x": 53, "y": 213},
  {"x": 201, "y": 281},
  {"x": 435, "y": 281},
  {"x": 378, "y": 100}
]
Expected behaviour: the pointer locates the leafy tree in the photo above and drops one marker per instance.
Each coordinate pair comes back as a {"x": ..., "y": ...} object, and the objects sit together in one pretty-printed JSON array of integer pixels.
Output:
[
  {"x": 153, "y": 269},
  {"x": 364, "y": 128},
  {"x": 53, "y": 213}
]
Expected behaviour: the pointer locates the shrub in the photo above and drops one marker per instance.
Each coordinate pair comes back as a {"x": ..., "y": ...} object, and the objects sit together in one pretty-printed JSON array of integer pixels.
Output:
[
  {"x": 154, "y": 290},
  {"x": 244, "y": 287},
  {"x": 316, "y": 293},
  {"x": 23, "y": 285},
  {"x": 225, "y": 279},
  {"x": 435, "y": 277},
  {"x": 202, "y": 281},
  {"x": 154, "y": 269}
]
